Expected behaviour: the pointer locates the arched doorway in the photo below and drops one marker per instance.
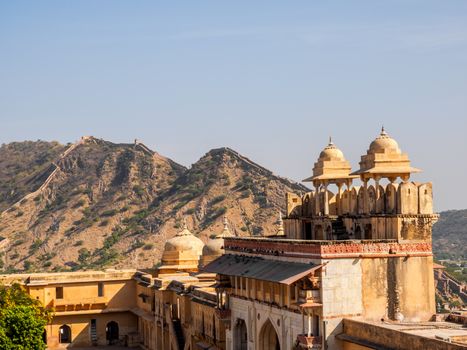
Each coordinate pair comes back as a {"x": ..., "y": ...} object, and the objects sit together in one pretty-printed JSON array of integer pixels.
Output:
[
  {"x": 64, "y": 334},
  {"x": 111, "y": 332},
  {"x": 319, "y": 234},
  {"x": 241, "y": 335},
  {"x": 358, "y": 233},
  {"x": 268, "y": 339},
  {"x": 44, "y": 337}
]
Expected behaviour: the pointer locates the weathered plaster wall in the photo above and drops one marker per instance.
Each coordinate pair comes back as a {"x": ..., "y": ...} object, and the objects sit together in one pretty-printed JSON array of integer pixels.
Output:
[
  {"x": 341, "y": 284},
  {"x": 410, "y": 277}
]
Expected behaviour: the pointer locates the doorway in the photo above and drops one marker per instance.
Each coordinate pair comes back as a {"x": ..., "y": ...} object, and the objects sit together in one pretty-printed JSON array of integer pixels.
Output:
[
  {"x": 64, "y": 334},
  {"x": 111, "y": 332},
  {"x": 268, "y": 339}
]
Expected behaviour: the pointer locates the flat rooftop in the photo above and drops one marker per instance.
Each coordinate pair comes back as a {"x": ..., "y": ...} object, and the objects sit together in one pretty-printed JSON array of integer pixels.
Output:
[
  {"x": 389, "y": 335},
  {"x": 440, "y": 330},
  {"x": 67, "y": 277}
]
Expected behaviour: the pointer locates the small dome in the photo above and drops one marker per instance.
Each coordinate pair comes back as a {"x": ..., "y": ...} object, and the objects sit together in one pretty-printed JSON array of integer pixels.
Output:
[
  {"x": 214, "y": 247},
  {"x": 331, "y": 152},
  {"x": 184, "y": 241},
  {"x": 384, "y": 144}
]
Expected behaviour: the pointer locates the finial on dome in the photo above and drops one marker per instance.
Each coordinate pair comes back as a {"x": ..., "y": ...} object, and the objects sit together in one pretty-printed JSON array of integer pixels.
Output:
[
  {"x": 383, "y": 132},
  {"x": 185, "y": 226},
  {"x": 225, "y": 231},
  {"x": 280, "y": 225},
  {"x": 330, "y": 141}
]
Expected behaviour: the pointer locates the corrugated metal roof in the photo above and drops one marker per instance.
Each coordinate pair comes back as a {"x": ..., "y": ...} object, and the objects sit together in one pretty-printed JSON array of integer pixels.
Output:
[{"x": 259, "y": 268}]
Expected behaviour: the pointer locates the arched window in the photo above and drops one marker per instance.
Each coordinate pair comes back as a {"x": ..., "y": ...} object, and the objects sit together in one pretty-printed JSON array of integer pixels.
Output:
[{"x": 64, "y": 334}]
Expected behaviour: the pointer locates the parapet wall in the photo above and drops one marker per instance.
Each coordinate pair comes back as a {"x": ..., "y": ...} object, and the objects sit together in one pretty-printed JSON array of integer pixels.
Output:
[
  {"x": 390, "y": 338},
  {"x": 394, "y": 198}
]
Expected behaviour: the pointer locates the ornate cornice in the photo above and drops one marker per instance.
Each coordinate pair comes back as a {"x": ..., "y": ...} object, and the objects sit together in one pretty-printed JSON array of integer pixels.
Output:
[{"x": 328, "y": 249}]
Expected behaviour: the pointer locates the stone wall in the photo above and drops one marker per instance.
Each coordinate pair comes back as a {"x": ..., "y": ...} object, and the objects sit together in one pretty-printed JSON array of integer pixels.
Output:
[
  {"x": 403, "y": 198},
  {"x": 398, "y": 285},
  {"x": 287, "y": 325},
  {"x": 393, "y": 339},
  {"x": 80, "y": 328}
]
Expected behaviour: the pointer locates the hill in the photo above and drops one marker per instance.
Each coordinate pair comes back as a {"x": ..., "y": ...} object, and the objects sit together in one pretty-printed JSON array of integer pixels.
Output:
[
  {"x": 24, "y": 166},
  {"x": 450, "y": 235},
  {"x": 95, "y": 204}
]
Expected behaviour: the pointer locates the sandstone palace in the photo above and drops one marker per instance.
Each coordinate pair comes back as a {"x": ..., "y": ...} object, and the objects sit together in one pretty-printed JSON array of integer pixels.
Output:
[{"x": 350, "y": 266}]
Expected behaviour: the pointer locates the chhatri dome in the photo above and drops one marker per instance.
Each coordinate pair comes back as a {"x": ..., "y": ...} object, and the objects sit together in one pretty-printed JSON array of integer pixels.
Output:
[
  {"x": 181, "y": 252},
  {"x": 331, "y": 152},
  {"x": 214, "y": 248},
  {"x": 331, "y": 166},
  {"x": 384, "y": 144},
  {"x": 385, "y": 159}
]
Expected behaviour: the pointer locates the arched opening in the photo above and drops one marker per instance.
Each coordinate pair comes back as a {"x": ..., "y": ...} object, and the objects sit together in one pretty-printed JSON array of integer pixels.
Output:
[
  {"x": 111, "y": 332},
  {"x": 329, "y": 233},
  {"x": 308, "y": 231},
  {"x": 44, "y": 337},
  {"x": 268, "y": 339},
  {"x": 319, "y": 234},
  {"x": 371, "y": 197},
  {"x": 358, "y": 233},
  {"x": 64, "y": 334},
  {"x": 241, "y": 335}
]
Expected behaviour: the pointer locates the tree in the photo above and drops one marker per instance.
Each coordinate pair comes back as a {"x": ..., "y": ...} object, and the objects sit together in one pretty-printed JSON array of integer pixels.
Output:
[{"x": 22, "y": 320}]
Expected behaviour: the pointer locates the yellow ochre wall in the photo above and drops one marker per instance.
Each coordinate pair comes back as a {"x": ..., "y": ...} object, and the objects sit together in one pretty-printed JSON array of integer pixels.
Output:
[
  {"x": 412, "y": 276},
  {"x": 81, "y": 303},
  {"x": 80, "y": 327}
]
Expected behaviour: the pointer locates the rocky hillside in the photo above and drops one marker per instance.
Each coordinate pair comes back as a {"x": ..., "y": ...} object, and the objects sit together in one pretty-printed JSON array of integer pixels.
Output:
[
  {"x": 24, "y": 166},
  {"x": 450, "y": 235},
  {"x": 96, "y": 204}
]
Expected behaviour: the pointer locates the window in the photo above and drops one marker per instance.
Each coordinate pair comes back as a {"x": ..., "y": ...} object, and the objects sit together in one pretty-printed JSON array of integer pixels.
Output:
[
  {"x": 100, "y": 289},
  {"x": 293, "y": 292},
  {"x": 93, "y": 330},
  {"x": 59, "y": 292}
]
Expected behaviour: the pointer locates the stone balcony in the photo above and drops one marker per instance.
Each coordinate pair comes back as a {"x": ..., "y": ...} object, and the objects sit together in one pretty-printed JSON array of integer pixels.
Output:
[
  {"x": 306, "y": 342},
  {"x": 79, "y": 304}
]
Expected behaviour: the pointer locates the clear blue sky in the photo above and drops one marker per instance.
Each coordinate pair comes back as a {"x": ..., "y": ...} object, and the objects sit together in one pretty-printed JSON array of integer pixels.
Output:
[{"x": 271, "y": 79}]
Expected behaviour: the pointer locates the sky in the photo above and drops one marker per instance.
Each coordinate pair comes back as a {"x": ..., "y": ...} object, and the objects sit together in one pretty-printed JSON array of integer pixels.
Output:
[{"x": 270, "y": 79}]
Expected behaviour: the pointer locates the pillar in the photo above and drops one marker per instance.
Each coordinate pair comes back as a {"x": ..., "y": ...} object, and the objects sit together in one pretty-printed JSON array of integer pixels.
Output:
[
  {"x": 326, "y": 200},
  {"x": 365, "y": 196},
  {"x": 349, "y": 197},
  {"x": 317, "y": 195},
  {"x": 303, "y": 322},
  {"x": 338, "y": 199},
  {"x": 377, "y": 195}
]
